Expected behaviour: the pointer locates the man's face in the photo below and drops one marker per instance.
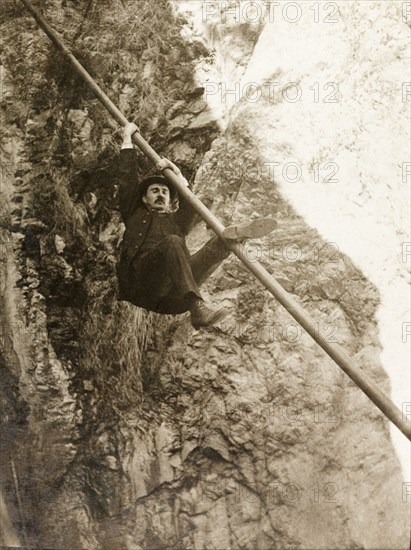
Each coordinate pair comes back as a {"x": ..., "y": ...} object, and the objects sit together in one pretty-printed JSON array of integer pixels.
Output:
[{"x": 157, "y": 197}]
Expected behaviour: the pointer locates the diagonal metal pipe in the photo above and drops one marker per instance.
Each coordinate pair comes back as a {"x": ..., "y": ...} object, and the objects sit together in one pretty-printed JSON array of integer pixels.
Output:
[{"x": 357, "y": 375}]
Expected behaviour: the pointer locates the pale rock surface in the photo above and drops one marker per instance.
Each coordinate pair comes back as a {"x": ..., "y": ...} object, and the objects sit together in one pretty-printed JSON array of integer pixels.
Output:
[{"x": 337, "y": 143}]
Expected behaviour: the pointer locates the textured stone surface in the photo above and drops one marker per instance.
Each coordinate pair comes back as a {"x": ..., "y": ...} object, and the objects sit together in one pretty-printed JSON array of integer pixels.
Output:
[
  {"x": 344, "y": 125},
  {"x": 131, "y": 430}
]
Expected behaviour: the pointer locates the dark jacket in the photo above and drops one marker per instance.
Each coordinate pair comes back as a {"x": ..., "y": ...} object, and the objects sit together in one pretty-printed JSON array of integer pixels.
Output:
[{"x": 137, "y": 219}]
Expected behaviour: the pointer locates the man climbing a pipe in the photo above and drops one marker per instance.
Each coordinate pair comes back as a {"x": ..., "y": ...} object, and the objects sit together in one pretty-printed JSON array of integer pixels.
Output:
[{"x": 155, "y": 270}]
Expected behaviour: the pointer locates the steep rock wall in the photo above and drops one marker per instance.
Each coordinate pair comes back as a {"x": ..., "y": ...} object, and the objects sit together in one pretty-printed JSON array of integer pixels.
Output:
[
  {"x": 325, "y": 95},
  {"x": 130, "y": 430}
]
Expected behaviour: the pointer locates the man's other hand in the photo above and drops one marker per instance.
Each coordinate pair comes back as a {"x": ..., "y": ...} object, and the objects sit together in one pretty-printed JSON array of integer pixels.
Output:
[
  {"x": 129, "y": 129},
  {"x": 164, "y": 163}
]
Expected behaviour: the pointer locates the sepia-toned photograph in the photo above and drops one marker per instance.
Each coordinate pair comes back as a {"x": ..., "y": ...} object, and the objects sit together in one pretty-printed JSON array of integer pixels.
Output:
[{"x": 205, "y": 259}]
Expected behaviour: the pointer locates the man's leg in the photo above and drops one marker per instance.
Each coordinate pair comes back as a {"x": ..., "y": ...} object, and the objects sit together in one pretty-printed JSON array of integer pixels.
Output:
[
  {"x": 206, "y": 260},
  {"x": 209, "y": 257},
  {"x": 165, "y": 277},
  {"x": 177, "y": 266},
  {"x": 168, "y": 276}
]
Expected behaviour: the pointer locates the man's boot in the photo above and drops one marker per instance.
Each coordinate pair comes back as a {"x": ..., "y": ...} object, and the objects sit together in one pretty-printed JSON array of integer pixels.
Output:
[
  {"x": 253, "y": 229},
  {"x": 204, "y": 315}
]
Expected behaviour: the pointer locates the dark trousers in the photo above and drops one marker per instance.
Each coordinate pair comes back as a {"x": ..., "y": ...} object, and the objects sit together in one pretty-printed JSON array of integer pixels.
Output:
[{"x": 167, "y": 273}]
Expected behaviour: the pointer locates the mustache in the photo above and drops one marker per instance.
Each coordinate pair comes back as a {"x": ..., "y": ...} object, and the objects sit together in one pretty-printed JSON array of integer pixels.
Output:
[{"x": 159, "y": 199}]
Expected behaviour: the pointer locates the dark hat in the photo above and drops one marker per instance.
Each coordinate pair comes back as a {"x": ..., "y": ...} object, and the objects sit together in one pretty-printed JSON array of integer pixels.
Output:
[{"x": 146, "y": 182}]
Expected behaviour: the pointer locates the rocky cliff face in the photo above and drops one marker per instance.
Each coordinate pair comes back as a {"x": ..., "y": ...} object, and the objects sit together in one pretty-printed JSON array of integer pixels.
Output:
[
  {"x": 324, "y": 91},
  {"x": 124, "y": 429}
]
